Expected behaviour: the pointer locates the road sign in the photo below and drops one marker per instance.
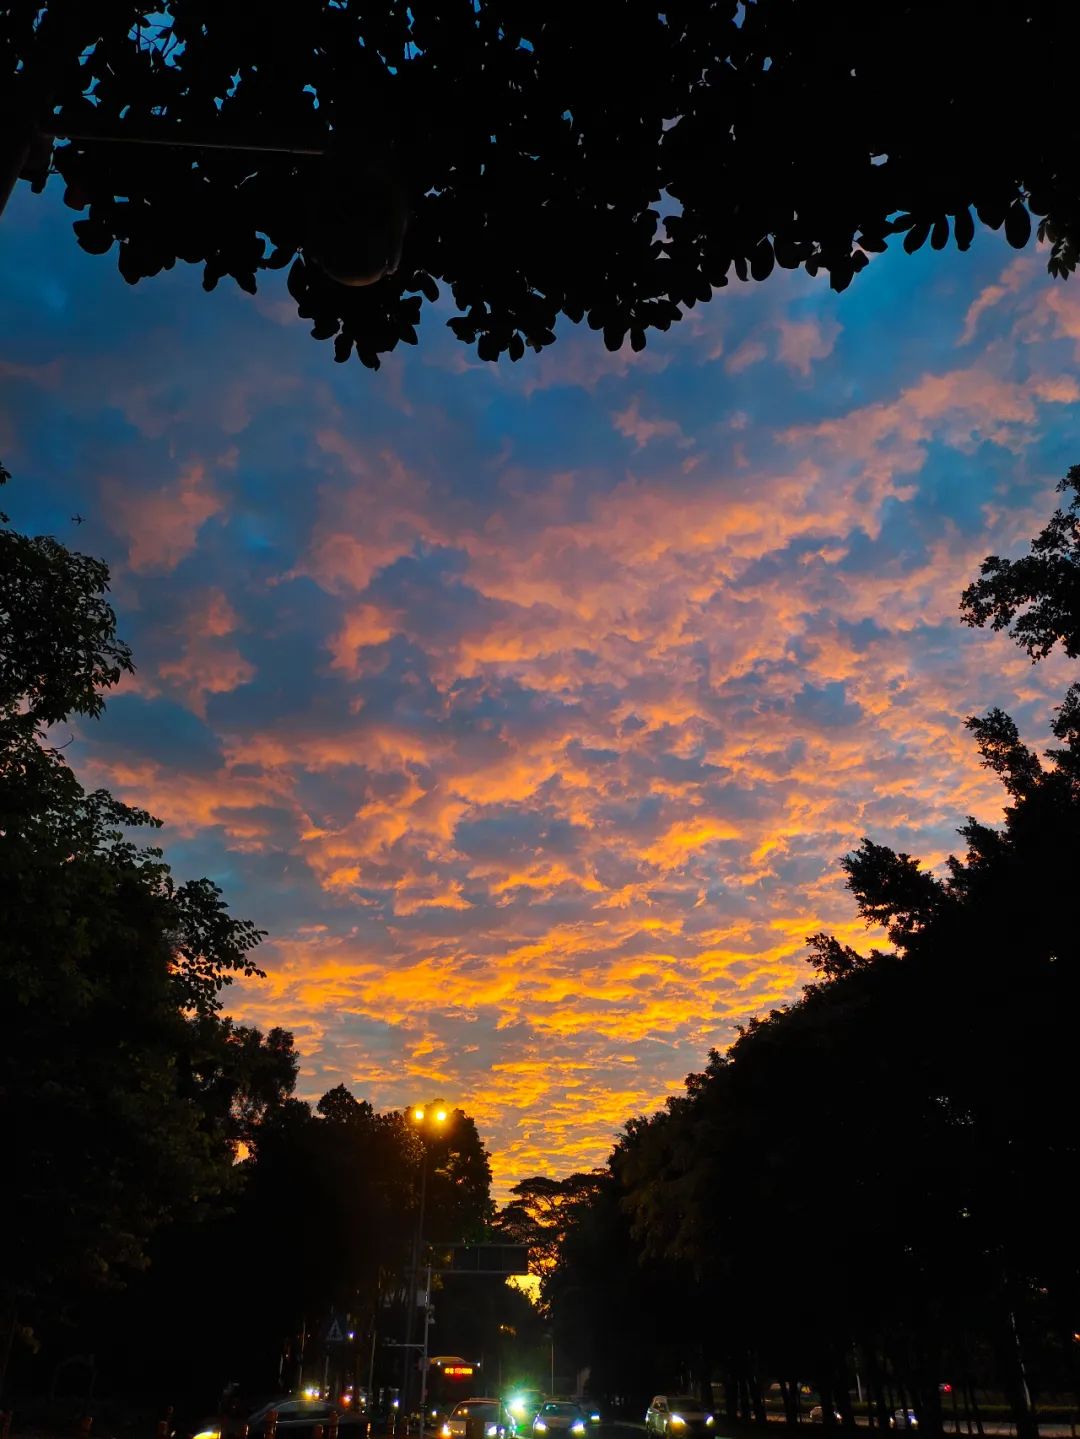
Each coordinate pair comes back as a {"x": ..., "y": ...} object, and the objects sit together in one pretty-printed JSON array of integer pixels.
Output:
[
  {"x": 489, "y": 1259},
  {"x": 335, "y": 1334}
]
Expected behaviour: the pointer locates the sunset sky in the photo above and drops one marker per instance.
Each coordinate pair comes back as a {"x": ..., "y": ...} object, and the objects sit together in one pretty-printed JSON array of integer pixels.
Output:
[{"x": 530, "y": 708}]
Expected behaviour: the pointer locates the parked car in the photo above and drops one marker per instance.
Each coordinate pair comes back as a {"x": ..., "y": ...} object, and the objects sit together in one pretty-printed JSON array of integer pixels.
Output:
[
  {"x": 678, "y": 1416},
  {"x": 479, "y": 1419},
  {"x": 904, "y": 1419},
  {"x": 817, "y": 1415},
  {"x": 559, "y": 1416}
]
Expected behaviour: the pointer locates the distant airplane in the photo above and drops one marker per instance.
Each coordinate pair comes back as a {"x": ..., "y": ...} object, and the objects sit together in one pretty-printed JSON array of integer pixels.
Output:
[{"x": 79, "y": 519}]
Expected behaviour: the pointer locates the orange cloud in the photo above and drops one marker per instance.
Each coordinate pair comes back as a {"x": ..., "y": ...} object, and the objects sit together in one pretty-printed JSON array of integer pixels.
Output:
[
  {"x": 162, "y": 524},
  {"x": 537, "y": 750},
  {"x": 802, "y": 342}
]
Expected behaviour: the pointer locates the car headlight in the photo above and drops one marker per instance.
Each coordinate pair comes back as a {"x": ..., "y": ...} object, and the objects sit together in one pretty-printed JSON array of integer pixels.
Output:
[
  {"x": 578, "y": 1426},
  {"x": 539, "y": 1427},
  {"x": 491, "y": 1431},
  {"x": 595, "y": 1418},
  {"x": 678, "y": 1420},
  {"x": 709, "y": 1419},
  {"x": 444, "y": 1432},
  {"x": 208, "y": 1434}
]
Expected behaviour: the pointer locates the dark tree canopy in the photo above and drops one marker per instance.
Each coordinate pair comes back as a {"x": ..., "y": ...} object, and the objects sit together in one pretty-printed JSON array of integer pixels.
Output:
[
  {"x": 532, "y": 146},
  {"x": 124, "y": 1093},
  {"x": 1036, "y": 597}
]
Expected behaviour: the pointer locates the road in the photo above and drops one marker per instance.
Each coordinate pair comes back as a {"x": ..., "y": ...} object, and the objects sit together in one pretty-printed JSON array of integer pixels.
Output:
[{"x": 994, "y": 1429}]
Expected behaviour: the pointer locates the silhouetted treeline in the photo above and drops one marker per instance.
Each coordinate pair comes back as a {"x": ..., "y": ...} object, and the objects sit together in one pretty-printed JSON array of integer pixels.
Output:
[{"x": 875, "y": 1186}]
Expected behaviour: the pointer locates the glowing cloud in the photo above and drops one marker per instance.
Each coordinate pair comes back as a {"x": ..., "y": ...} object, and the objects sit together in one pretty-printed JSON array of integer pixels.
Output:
[{"x": 530, "y": 708}]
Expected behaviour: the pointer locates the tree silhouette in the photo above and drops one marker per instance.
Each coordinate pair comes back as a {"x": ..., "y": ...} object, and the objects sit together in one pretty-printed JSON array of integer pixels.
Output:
[
  {"x": 522, "y": 156},
  {"x": 124, "y": 1094},
  {"x": 1036, "y": 597}
]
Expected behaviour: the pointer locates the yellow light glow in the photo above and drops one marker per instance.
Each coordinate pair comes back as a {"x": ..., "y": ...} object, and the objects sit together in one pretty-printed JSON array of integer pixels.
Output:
[
  {"x": 418, "y": 1115},
  {"x": 440, "y": 1115}
]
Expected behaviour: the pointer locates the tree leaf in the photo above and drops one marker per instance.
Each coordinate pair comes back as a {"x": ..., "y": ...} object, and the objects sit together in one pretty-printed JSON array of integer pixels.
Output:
[
  {"x": 963, "y": 228},
  {"x": 761, "y": 261},
  {"x": 1017, "y": 225},
  {"x": 916, "y": 237}
]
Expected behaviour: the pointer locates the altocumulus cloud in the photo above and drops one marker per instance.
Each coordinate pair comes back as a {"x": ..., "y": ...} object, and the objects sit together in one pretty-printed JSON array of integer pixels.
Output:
[{"x": 532, "y": 708}]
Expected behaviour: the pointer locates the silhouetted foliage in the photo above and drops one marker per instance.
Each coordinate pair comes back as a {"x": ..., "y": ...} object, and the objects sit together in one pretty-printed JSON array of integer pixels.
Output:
[
  {"x": 124, "y": 1094},
  {"x": 532, "y": 149},
  {"x": 1037, "y": 597},
  {"x": 542, "y": 1210},
  {"x": 321, "y": 1223}
]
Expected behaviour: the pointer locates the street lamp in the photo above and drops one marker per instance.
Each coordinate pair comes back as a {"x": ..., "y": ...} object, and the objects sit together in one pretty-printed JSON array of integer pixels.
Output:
[{"x": 427, "y": 1121}]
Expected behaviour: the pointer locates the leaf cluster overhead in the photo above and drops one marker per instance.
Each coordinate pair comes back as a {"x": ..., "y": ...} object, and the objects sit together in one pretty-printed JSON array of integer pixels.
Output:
[{"x": 539, "y": 144}]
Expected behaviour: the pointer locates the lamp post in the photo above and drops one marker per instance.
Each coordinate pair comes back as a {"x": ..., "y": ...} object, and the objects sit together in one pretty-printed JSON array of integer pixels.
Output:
[{"x": 426, "y": 1121}]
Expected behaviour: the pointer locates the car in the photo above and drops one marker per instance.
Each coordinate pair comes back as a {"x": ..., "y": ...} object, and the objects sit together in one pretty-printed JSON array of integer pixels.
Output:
[
  {"x": 817, "y": 1415},
  {"x": 295, "y": 1417},
  {"x": 587, "y": 1407},
  {"x": 904, "y": 1419},
  {"x": 559, "y": 1416},
  {"x": 478, "y": 1419},
  {"x": 678, "y": 1415}
]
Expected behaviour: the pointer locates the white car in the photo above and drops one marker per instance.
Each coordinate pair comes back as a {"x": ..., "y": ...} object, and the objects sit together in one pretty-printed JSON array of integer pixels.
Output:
[
  {"x": 478, "y": 1419},
  {"x": 559, "y": 1416},
  {"x": 678, "y": 1416}
]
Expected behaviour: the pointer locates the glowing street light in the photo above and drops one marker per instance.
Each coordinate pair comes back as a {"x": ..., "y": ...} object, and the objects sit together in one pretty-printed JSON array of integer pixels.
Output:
[
  {"x": 426, "y": 1120},
  {"x": 438, "y": 1115}
]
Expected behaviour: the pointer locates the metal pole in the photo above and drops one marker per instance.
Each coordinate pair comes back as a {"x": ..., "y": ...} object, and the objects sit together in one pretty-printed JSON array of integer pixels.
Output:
[
  {"x": 424, "y": 1357},
  {"x": 410, "y": 1312},
  {"x": 371, "y": 1373}
]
